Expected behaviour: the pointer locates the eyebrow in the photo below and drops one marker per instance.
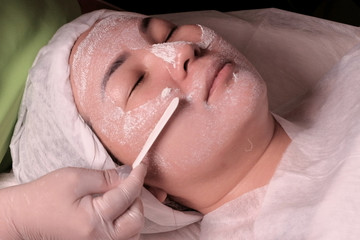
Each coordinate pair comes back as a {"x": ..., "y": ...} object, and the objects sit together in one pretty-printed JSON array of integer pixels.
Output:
[
  {"x": 113, "y": 67},
  {"x": 144, "y": 25}
]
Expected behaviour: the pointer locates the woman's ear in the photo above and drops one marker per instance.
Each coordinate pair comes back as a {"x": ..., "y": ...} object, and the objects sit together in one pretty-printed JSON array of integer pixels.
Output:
[{"x": 160, "y": 194}]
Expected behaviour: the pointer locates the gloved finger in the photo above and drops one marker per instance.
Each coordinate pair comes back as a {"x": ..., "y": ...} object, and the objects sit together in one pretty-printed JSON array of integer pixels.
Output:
[
  {"x": 130, "y": 223},
  {"x": 90, "y": 181},
  {"x": 114, "y": 203}
]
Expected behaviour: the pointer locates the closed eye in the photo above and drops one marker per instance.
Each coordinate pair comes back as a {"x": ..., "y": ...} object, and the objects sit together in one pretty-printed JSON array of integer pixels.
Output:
[
  {"x": 139, "y": 81},
  {"x": 170, "y": 33}
]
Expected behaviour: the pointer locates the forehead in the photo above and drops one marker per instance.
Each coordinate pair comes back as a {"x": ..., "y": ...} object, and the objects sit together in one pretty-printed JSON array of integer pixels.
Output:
[
  {"x": 106, "y": 37},
  {"x": 100, "y": 45},
  {"x": 122, "y": 29}
]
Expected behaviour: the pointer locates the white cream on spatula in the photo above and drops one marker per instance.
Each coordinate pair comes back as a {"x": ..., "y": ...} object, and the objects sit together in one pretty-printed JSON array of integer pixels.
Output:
[{"x": 156, "y": 131}]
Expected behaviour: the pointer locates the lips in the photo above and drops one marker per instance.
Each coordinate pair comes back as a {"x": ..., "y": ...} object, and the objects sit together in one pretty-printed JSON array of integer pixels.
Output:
[{"x": 224, "y": 73}]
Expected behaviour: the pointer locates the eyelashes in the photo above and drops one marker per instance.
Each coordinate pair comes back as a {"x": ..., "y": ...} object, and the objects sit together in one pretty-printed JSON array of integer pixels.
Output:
[
  {"x": 137, "y": 83},
  {"x": 170, "y": 33}
]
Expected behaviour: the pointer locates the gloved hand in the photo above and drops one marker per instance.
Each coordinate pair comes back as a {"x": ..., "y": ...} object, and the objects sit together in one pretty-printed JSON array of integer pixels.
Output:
[{"x": 75, "y": 203}]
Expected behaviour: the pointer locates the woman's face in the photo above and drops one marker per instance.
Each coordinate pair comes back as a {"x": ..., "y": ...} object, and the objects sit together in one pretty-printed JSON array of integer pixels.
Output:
[{"x": 126, "y": 70}]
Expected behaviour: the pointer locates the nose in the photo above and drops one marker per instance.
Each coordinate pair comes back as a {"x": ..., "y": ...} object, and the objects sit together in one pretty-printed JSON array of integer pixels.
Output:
[
  {"x": 178, "y": 56},
  {"x": 186, "y": 53}
]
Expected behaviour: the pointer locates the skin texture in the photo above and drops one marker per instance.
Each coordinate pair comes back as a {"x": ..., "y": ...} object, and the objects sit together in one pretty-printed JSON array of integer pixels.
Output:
[{"x": 221, "y": 142}]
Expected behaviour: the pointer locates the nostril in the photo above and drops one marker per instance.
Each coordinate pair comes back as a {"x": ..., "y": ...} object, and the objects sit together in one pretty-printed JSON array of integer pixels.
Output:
[{"x": 186, "y": 64}]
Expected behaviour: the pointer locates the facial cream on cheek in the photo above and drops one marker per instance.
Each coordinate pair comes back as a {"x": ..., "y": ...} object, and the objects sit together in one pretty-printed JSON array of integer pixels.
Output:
[
  {"x": 131, "y": 128},
  {"x": 207, "y": 37},
  {"x": 165, "y": 92}
]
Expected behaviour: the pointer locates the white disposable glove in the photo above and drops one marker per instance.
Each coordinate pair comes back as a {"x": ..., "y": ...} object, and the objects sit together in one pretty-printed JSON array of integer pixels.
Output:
[{"x": 74, "y": 203}]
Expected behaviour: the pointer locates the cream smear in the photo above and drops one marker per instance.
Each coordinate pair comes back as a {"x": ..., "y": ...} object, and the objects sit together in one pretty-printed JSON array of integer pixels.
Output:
[
  {"x": 207, "y": 37},
  {"x": 126, "y": 127},
  {"x": 165, "y": 92},
  {"x": 165, "y": 51}
]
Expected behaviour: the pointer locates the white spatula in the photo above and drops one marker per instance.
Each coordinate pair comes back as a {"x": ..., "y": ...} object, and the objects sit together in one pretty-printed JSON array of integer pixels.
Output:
[{"x": 156, "y": 131}]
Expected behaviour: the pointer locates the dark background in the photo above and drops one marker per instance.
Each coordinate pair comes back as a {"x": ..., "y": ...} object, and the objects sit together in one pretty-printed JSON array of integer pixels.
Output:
[{"x": 344, "y": 11}]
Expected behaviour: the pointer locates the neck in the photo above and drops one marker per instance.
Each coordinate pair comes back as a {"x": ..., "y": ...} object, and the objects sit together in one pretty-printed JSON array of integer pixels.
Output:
[{"x": 261, "y": 172}]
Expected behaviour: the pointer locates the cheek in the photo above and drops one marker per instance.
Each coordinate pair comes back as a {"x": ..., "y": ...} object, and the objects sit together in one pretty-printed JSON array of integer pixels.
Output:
[
  {"x": 125, "y": 133},
  {"x": 199, "y": 136},
  {"x": 190, "y": 138}
]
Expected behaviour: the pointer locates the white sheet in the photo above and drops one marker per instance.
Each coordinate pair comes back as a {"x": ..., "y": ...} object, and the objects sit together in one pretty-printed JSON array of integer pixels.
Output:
[
  {"x": 315, "y": 191},
  {"x": 8, "y": 180}
]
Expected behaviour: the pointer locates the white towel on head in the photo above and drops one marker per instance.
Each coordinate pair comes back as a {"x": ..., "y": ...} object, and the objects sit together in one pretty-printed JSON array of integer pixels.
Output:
[{"x": 50, "y": 133}]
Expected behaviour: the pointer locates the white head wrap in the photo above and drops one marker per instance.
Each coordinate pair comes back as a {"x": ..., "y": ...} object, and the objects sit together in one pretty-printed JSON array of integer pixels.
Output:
[{"x": 50, "y": 133}]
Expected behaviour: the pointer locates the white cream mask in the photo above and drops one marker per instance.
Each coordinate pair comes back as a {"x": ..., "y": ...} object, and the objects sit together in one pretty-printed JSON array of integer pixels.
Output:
[
  {"x": 130, "y": 123},
  {"x": 133, "y": 127},
  {"x": 207, "y": 37}
]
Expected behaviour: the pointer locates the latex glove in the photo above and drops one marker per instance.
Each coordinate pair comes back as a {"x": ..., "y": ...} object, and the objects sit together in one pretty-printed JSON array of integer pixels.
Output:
[{"x": 75, "y": 203}]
